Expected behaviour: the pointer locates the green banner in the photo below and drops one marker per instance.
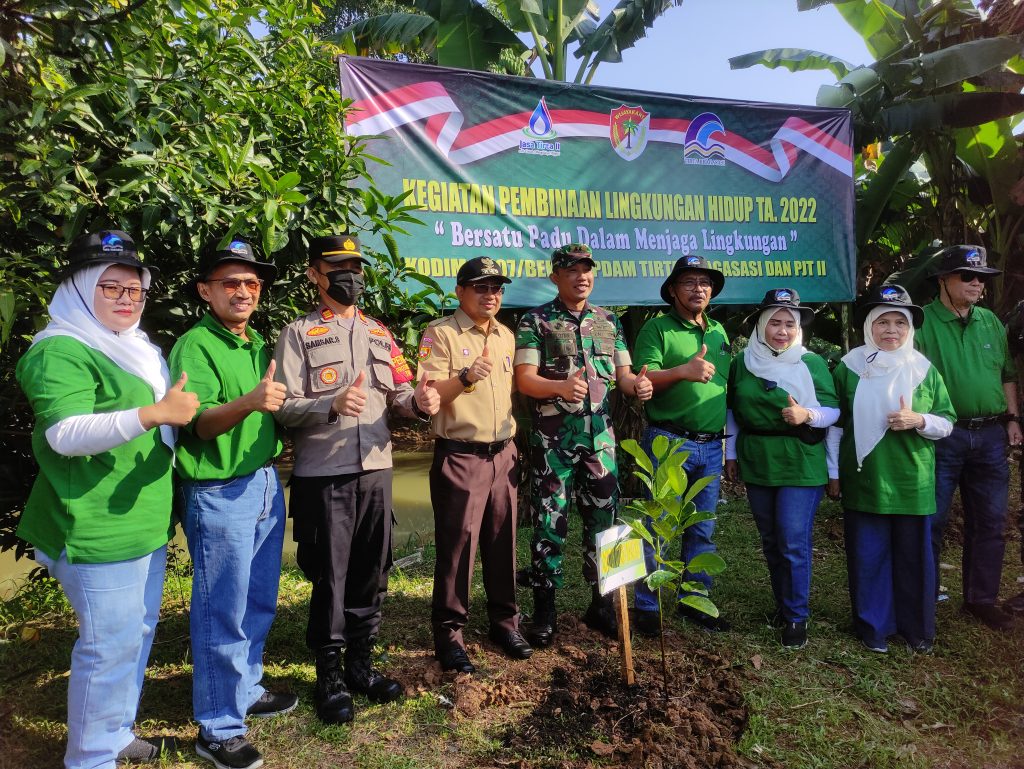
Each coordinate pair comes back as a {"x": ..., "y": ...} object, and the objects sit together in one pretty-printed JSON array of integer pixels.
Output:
[{"x": 512, "y": 168}]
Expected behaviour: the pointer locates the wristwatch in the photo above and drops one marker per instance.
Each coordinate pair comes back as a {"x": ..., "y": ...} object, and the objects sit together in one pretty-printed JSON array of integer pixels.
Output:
[{"x": 464, "y": 378}]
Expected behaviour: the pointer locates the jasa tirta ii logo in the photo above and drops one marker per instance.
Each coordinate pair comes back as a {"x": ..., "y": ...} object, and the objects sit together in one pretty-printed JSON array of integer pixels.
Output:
[
  {"x": 628, "y": 128},
  {"x": 701, "y": 147}
]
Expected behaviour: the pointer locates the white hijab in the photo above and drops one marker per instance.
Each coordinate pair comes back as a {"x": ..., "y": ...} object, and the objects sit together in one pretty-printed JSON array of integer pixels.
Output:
[
  {"x": 884, "y": 378},
  {"x": 785, "y": 367},
  {"x": 71, "y": 314}
]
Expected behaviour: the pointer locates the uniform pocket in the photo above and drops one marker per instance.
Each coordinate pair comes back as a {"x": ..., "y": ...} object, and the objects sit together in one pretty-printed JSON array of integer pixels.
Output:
[{"x": 383, "y": 375}]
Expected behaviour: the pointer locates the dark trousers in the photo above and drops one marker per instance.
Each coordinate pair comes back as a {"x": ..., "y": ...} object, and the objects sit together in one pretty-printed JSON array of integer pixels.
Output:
[
  {"x": 974, "y": 460},
  {"x": 474, "y": 499},
  {"x": 892, "y": 576},
  {"x": 342, "y": 525}
]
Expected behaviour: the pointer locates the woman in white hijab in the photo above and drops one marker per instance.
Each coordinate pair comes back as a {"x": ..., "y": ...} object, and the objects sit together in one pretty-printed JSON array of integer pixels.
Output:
[
  {"x": 99, "y": 514},
  {"x": 894, "y": 407},
  {"x": 781, "y": 398}
]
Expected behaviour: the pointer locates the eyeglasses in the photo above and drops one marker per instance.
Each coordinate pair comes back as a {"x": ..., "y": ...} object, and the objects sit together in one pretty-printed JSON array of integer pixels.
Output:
[
  {"x": 231, "y": 285},
  {"x": 970, "y": 277},
  {"x": 488, "y": 288},
  {"x": 115, "y": 291},
  {"x": 693, "y": 284}
]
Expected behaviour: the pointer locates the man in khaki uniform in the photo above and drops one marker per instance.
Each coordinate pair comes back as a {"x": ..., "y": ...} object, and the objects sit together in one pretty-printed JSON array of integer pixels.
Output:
[
  {"x": 343, "y": 374},
  {"x": 473, "y": 479}
]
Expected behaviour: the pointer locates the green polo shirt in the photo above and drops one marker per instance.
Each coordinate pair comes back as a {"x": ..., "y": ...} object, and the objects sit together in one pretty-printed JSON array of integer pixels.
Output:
[
  {"x": 898, "y": 476},
  {"x": 222, "y": 366},
  {"x": 777, "y": 460},
  {"x": 974, "y": 360},
  {"x": 105, "y": 507},
  {"x": 669, "y": 340}
]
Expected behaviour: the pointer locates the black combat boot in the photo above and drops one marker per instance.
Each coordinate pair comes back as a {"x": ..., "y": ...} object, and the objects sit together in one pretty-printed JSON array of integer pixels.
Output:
[
  {"x": 600, "y": 615},
  {"x": 541, "y": 631},
  {"x": 362, "y": 678},
  {"x": 332, "y": 700}
]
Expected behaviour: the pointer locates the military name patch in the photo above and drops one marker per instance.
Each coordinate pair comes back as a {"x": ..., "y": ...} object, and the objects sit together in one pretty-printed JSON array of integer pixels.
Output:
[
  {"x": 317, "y": 331},
  {"x": 329, "y": 375}
]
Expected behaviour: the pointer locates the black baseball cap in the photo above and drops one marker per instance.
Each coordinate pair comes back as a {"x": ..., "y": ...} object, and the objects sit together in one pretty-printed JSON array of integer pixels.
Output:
[
  {"x": 104, "y": 247},
  {"x": 336, "y": 248},
  {"x": 692, "y": 262},
  {"x": 480, "y": 268}
]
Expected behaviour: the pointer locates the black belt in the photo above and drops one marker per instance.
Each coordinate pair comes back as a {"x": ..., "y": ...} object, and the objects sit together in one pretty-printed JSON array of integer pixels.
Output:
[
  {"x": 472, "y": 447},
  {"x": 690, "y": 435},
  {"x": 978, "y": 423}
]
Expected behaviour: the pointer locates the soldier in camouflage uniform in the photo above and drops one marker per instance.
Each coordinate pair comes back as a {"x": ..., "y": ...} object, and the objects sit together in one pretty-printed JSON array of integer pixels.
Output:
[{"x": 568, "y": 353}]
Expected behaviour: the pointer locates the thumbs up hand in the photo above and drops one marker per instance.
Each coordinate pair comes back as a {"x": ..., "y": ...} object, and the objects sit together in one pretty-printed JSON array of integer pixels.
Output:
[
  {"x": 795, "y": 414},
  {"x": 697, "y": 369},
  {"x": 268, "y": 395},
  {"x": 428, "y": 399},
  {"x": 481, "y": 367},
  {"x": 351, "y": 401},
  {"x": 176, "y": 408},
  {"x": 575, "y": 387},
  {"x": 906, "y": 418},
  {"x": 642, "y": 387}
]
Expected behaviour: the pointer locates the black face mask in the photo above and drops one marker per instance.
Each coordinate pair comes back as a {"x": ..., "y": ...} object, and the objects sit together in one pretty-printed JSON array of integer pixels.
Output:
[{"x": 345, "y": 288}]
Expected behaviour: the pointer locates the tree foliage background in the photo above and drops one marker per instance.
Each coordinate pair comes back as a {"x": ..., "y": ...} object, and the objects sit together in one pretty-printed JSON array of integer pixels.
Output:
[{"x": 172, "y": 121}]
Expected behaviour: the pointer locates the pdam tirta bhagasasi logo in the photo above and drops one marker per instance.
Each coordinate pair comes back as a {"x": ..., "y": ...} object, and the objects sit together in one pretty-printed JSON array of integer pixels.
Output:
[{"x": 700, "y": 147}]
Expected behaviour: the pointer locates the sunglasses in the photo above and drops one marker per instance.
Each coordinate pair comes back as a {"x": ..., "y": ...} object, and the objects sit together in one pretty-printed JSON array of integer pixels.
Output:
[
  {"x": 115, "y": 291},
  {"x": 488, "y": 288},
  {"x": 970, "y": 277},
  {"x": 231, "y": 285}
]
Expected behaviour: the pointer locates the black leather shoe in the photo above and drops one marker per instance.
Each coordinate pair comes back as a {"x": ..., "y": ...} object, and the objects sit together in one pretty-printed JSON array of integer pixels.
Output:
[
  {"x": 646, "y": 623},
  {"x": 454, "y": 657},
  {"x": 989, "y": 614},
  {"x": 331, "y": 699},
  {"x": 511, "y": 642},
  {"x": 1014, "y": 605},
  {"x": 706, "y": 621},
  {"x": 362, "y": 677}
]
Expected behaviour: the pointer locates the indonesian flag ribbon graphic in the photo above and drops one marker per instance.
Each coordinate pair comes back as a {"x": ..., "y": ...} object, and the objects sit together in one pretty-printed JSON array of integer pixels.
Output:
[{"x": 430, "y": 103}]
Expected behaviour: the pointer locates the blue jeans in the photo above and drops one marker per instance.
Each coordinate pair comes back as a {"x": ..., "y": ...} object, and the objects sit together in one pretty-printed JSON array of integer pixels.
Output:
[
  {"x": 891, "y": 576},
  {"x": 976, "y": 461},
  {"x": 785, "y": 520},
  {"x": 117, "y": 605},
  {"x": 235, "y": 531},
  {"x": 705, "y": 459}
]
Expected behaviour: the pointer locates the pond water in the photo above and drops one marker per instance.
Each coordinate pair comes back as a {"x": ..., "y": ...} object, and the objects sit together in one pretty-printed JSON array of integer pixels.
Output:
[{"x": 411, "y": 490}]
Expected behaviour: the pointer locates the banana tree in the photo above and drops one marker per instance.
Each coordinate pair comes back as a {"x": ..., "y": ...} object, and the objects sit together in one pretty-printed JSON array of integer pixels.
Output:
[
  {"x": 944, "y": 90},
  {"x": 471, "y": 35}
]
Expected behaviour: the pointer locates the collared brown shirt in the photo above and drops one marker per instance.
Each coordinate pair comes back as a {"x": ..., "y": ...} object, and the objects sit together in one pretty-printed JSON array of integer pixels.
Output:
[
  {"x": 453, "y": 343},
  {"x": 320, "y": 354}
]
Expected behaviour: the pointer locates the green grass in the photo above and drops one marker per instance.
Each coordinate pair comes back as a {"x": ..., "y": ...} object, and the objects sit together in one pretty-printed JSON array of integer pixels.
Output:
[{"x": 831, "y": 705}]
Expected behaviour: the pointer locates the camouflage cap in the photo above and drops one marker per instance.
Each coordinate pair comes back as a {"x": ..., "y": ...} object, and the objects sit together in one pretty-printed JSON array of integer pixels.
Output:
[{"x": 571, "y": 254}]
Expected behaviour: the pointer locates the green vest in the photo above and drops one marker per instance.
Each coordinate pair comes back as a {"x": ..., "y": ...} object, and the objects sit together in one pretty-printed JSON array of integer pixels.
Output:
[
  {"x": 222, "y": 366},
  {"x": 102, "y": 508},
  {"x": 898, "y": 476},
  {"x": 776, "y": 460}
]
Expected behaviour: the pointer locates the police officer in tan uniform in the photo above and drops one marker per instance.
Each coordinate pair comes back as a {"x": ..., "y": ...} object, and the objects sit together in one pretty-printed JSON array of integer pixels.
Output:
[
  {"x": 343, "y": 374},
  {"x": 474, "y": 476}
]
